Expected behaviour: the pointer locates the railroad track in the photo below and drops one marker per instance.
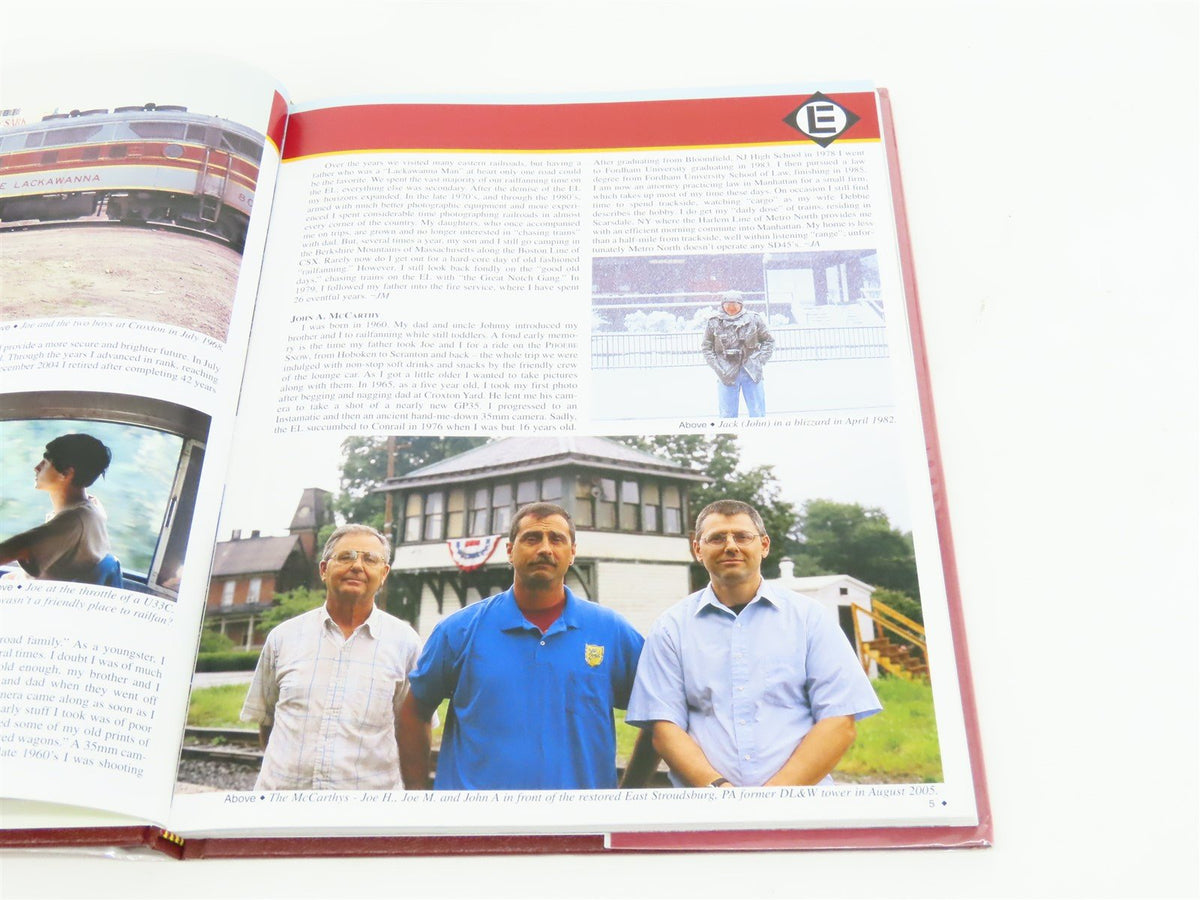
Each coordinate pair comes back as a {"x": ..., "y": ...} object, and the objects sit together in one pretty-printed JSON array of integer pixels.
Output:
[
  {"x": 228, "y": 745},
  {"x": 239, "y": 746}
]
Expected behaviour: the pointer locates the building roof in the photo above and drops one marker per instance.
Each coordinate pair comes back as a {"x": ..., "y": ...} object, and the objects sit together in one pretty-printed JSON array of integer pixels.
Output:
[
  {"x": 312, "y": 511},
  {"x": 803, "y": 583},
  {"x": 528, "y": 454},
  {"x": 248, "y": 556}
]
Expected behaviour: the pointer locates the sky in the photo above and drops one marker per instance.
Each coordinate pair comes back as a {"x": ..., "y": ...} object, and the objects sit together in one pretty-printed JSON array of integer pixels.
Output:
[{"x": 217, "y": 87}]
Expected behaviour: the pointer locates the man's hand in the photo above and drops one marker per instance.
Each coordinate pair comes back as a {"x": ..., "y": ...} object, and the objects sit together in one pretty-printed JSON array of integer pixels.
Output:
[
  {"x": 414, "y": 736},
  {"x": 643, "y": 761},
  {"x": 684, "y": 755},
  {"x": 817, "y": 753}
]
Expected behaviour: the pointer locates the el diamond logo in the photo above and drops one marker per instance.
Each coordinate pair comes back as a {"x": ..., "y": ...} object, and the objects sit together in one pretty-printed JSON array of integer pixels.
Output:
[{"x": 821, "y": 119}]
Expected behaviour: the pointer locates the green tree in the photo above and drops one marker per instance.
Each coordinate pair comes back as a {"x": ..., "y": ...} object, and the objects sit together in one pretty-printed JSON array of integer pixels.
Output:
[
  {"x": 365, "y": 467},
  {"x": 212, "y": 641},
  {"x": 719, "y": 458},
  {"x": 290, "y": 604},
  {"x": 859, "y": 541},
  {"x": 901, "y": 603}
]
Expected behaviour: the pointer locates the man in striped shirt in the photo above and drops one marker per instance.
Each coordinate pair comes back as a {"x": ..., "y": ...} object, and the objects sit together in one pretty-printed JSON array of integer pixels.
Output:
[{"x": 329, "y": 682}]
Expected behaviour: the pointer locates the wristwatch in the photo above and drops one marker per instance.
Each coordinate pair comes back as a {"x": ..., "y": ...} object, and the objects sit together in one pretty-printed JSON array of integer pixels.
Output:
[{"x": 719, "y": 781}]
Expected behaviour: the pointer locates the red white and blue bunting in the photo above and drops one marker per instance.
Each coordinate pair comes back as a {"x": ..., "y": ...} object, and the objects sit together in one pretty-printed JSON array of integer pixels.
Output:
[{"x": 471, "y": 553}]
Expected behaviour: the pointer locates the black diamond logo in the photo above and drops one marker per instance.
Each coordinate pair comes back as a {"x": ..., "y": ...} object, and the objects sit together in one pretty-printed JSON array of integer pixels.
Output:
[{"x": 821, "y": 120}]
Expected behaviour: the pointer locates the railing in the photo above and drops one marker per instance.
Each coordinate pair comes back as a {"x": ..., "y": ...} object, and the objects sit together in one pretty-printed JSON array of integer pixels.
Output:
[
  {"x": 635, "y": 350},
  {"x": 889, "y": 620}
]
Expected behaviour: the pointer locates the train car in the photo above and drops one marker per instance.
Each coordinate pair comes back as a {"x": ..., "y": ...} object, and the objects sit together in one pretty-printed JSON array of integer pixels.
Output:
[{"x": 134, "y": 164}]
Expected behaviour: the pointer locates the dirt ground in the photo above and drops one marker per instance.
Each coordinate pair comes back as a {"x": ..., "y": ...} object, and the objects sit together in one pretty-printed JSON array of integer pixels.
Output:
[{"x": 128, "y": 273}]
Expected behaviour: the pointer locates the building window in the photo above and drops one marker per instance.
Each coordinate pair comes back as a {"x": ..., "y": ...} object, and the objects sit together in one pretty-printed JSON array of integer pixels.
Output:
[
  {"x": 412, "y": 517},
  {"x": 227, "y": 594},
  {"x": 255, "y": 591},
  {"x": 583, "y": 502},
  {"x": 434, "y": 504},
  {"x": 479, "y": 512},
  {"x": 527, "y": 491},
  {"x": 502, "y": 508},
  {"x": 672, "y": 510},
  {"x": 650, "y": 500},
  {"x": 629, "y": 506},
  {"x": 552, "y": 489},
  {"x": 456, "y": 513},
  {"x": 606, "y": 504}
]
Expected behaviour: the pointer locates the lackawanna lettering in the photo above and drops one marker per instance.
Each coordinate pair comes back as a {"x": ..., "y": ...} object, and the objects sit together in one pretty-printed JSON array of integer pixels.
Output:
[{"x": 51, "y": 181}]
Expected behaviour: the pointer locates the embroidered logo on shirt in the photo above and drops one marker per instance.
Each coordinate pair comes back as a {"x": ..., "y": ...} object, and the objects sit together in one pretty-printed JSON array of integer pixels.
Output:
[{"x": 593, "y": 654}]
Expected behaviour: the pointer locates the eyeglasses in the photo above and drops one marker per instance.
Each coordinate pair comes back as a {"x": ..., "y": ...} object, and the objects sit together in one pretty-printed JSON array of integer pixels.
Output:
[
  {"x": 346, "y": 557},
  {"x": 720, "y": 539}
]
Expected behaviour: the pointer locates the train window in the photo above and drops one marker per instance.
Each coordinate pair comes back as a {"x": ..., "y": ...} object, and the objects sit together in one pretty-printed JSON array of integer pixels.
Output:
[
  {"x": 116, "y": 151},
  {"x": 173, "y": 151},
  {"x": 91, "y": 153},
  {"x": 148, "y": 492},
  {"x": 175, "y": 130},
  {"x": 196, "y": 134},
  {"x": 240, "y": 145},
  {"x": 49, "y": 156},
  {"x": 58, "y": 136}
]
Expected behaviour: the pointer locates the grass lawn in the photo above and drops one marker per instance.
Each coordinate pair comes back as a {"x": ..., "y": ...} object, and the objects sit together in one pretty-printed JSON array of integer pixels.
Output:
[
  {"x": 218, "y": 707},
  {"x": 899, "y": 743},
  {"x": 901, "y": 740}
]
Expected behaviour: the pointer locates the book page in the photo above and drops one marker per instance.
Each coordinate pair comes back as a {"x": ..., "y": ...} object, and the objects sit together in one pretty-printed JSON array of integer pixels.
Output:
[
  {"x": 133, "y": 213},
  {"x": 627, "y": 309}
]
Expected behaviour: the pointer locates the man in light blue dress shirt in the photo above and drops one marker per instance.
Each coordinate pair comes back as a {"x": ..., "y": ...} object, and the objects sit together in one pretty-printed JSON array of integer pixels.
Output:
[{"x": 743, "y": 683}]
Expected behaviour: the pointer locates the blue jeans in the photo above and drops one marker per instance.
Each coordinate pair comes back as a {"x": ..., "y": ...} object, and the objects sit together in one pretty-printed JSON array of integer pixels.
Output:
[{"x": 727, "y": 397}]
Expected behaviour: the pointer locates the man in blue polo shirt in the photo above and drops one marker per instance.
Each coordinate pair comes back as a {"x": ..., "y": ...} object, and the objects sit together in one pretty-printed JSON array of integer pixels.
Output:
[{"x": 533, "y": 675}]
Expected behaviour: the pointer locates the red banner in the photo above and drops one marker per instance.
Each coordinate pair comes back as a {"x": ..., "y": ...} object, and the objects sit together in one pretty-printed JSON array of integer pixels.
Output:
[{"x": 720, "y": 122}]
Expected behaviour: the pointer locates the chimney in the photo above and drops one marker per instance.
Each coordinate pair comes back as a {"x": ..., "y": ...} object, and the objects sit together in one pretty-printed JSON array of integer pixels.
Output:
[
  {"x": 787, "y": 569},
  {"x": 255, "y": 533},
  {"x": 236, "y": 535}
]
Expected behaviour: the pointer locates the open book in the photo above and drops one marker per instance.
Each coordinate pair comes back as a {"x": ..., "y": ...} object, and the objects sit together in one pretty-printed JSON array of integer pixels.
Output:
[{"x": 422, "y": 315}]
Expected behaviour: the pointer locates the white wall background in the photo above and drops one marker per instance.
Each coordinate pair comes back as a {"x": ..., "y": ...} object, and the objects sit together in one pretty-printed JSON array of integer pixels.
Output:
[{"x": 1049, "y": 156}]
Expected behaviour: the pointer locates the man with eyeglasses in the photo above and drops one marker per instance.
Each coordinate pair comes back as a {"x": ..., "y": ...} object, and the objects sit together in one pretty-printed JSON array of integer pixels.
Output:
[
  {"x": 329, "y": 682},
  {"x": 742, "y": 683},
  {"x": 532, "y": 674}
]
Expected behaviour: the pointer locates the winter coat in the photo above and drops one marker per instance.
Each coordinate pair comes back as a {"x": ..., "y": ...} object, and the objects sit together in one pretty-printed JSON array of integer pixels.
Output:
[{"x": 733, "y": 343}]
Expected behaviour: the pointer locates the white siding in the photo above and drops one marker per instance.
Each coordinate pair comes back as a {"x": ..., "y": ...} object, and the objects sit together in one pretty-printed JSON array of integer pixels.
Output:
[
  {"x": 428, "y": 616},
  {"x": 641, "y": 592},
  {"x": 649, "y": 547}
]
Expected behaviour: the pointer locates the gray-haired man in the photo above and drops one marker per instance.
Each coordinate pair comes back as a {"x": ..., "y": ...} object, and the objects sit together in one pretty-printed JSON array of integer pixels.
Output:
[{"x": 329, "y": 682}]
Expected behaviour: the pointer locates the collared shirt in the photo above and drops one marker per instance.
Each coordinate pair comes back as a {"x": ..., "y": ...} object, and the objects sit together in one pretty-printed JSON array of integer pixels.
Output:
[
  {"x": 528, "y": 710},
  {"x": 331, "y": 702},
  {"x": 748, "y": 687}
]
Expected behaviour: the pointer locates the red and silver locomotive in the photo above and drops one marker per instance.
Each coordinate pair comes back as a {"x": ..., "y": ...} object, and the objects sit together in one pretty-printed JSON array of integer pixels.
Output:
[{"x": 135, "y": 164}]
